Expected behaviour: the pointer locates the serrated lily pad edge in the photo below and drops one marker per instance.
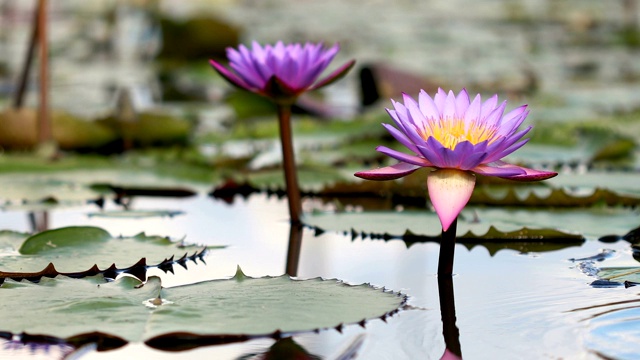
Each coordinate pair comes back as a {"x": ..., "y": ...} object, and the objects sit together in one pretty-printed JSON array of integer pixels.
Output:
[
  {"x": 469, "y": 238},
  {"x": 181, "y": 341},
  {"x": 138, "y": 270}
]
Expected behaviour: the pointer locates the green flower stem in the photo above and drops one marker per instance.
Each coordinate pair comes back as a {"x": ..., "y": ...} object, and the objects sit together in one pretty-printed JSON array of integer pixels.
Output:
[
  {"x": 289, "y": 164},
  {"x": 448, "y": 312},
  {"x": 447, "y": 249}
]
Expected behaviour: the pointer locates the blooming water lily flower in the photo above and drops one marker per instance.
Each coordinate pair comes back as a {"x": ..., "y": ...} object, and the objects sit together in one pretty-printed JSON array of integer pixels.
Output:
[
  {"x": 281, "y": 72},
  {"x": 457, "y": 137}
]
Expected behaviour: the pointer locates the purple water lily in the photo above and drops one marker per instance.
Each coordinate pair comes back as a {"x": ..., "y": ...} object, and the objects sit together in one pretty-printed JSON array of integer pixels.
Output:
[
  {"x": 280, "y": 72},
  {"x": 457, "y": 137}
]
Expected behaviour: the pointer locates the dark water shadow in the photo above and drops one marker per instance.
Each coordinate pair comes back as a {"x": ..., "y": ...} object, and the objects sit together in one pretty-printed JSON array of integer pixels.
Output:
[{"x": 448, "y": 312}]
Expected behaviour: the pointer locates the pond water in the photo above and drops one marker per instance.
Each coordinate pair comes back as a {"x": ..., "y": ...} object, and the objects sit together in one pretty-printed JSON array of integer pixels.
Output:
[{"x": 508, "y": 305}]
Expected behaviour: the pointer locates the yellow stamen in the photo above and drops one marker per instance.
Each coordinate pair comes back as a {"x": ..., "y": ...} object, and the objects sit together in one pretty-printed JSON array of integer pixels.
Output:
[{"x": 451, "y": 132}]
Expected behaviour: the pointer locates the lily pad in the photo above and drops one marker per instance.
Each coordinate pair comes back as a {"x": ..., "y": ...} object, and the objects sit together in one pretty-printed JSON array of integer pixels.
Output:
[
  {"x": 621, "y": 274},
  {"x": 43, "y": 191},
  {"x": 241, "y": 307},
  {"x": 626, "y": 183},
  {"x": 76, "y": 249},
  {"x": 135, "y": 214},
  {"x": 476, "y": 224}
]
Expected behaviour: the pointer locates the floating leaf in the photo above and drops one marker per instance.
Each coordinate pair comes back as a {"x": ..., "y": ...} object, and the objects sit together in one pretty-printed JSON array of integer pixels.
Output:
[
  {"x": 120, "y": 191},
  {"x": 481, "y": 225},
  {"x": 620, "y": 274},
  {"x": 135, "y": 214},
  {"x": 412, "y": 193},
  {"x": 626, "y": 183},
  {"x": 78, "y": 248},
  {"x": 41, "y": 188},
  {"x": 555, "y": 198},
  {"x": 198, "y": 314},
  {"x": 592, "y": 223}
]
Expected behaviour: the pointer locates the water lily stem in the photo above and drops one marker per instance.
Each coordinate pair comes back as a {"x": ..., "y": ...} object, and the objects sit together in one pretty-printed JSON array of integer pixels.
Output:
[
  {"x": 44, "y": 121},
  {"x": 289, "y": 163},
  {"x": 293, "y": 251},
  {"x": 447, "y": 249}
]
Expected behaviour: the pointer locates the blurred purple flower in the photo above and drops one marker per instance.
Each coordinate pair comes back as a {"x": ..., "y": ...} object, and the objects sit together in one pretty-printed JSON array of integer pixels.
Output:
[
  {"x": 280, "y": 72},
  {"x": 457, "y": 137}
]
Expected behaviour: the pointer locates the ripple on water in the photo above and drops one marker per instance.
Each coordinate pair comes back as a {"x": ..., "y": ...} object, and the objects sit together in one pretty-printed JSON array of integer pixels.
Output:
[{"x": 614, "y": 329}]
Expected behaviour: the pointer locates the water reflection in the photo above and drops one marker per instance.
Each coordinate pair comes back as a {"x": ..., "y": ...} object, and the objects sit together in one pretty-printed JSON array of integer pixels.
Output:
[
  {"x": 448, "y": 312},
  {"x": 283, "y": 349},
  {"x": 39, "y": 220}
]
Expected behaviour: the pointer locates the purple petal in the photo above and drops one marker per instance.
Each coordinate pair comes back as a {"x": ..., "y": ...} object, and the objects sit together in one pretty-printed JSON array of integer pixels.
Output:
[
  {"x": 498, "y": 169},
  {"x": 462, "y": 103},
  {"x": 473, "y": 111},
  {"x": 432, "y": 151},
  {"x": 439, "y": 99},
  {"x": 450, "y": 157},
  {"x": 431, "y": 156},
  {"x": 229, "y": 76},
  {"x": 512, "y": 148},
  {"x": 449, "y": 111},
  {"x": 488, "y": 106},
  {"x": 427, "y": 106},
  {"x": 513, "y": 114},
  {"x": 472, "y": 160},
  {"x": 388, "y": 173},
  {"x": 502, "y": 143},
  {"x": 416, "y": 117},
  {"x": 509, "y": 124},
  {"x": 466, "y": 153},
  {"x": 401, "y": 137},
  {"x": 495, "y": 117},
  {"x": 411, "y": 159},
  {"x": 524, "y": 174},
  {"x": 335, "y": 75},
  {"x": 403, "y": 120},
  {"x": 502, "y": 147}
]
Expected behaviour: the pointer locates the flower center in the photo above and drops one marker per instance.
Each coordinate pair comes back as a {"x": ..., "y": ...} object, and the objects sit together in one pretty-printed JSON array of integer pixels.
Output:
[{"x": 450, "y": 132}]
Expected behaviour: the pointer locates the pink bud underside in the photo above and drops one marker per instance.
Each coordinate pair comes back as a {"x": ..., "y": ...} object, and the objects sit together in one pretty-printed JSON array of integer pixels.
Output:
[{"x": 449, "y": 191}]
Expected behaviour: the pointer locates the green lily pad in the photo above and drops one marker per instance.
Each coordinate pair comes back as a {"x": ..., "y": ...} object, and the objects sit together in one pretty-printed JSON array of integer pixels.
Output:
[
  {"x": 238, "y": 307},
  {"x": 482, "y": 223},
  {"x": 135, "y": 214},
  {"x": 36, "y": 187},
  {"x": 76, "y": 249},
  {"x": 49, "y": 191},
  {"x": 626, "y": 183},
  {"x": 620, "y": 274},
  {"x": 411, "y": 191},
  {"x": 553, "y": 198}
]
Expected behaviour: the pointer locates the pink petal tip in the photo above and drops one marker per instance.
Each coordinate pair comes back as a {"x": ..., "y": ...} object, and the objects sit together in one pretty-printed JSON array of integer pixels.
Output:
[{"x": 449, "y": 191}]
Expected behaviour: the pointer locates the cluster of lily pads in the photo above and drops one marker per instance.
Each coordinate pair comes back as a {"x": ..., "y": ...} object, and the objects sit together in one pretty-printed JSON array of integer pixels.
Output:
[{"x": 456, "y": 143}]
